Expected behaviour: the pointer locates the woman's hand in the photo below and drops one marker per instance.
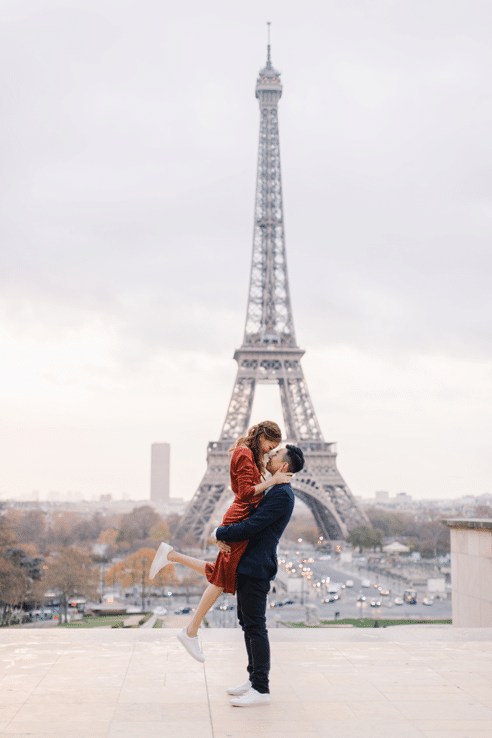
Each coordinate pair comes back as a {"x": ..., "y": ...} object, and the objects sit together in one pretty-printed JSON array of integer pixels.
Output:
[
  {"x": 280, "y": 478},
  {"x": 223, "y": 546}
]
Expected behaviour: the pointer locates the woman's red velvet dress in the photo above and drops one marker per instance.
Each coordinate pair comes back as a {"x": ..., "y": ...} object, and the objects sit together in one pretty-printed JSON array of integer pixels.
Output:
[{"x": 244, "y": 477}]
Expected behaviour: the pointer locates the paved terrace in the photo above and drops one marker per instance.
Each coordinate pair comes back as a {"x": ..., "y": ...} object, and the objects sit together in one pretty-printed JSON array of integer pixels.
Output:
[{"x": 399, "y": 682}]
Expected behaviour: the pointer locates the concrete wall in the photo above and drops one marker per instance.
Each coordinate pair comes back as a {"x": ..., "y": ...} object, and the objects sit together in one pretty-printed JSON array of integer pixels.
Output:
[{"x": 471, "y": 572}]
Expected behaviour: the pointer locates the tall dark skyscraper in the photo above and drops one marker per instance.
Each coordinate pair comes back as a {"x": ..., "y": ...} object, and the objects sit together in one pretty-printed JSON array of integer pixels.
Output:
[{"x": 159, "y": 472}]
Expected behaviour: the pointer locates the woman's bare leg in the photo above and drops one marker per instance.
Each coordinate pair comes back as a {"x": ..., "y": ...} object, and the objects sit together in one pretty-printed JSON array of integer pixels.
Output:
[
  {"x": 196, "y": 564},
  {"x": 209, "y": 597}
]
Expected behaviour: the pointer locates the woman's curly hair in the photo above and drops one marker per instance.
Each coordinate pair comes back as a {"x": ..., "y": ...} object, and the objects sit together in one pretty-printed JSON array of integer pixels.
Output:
[{"x": 267, "y": 428}]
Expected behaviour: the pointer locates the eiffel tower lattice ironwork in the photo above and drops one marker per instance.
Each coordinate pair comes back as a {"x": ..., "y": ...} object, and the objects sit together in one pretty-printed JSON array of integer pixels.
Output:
[{"x": 269, "y": 354}]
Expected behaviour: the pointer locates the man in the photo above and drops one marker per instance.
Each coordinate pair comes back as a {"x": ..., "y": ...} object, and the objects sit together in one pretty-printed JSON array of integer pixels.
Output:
[{"x": 257, "y": 567}]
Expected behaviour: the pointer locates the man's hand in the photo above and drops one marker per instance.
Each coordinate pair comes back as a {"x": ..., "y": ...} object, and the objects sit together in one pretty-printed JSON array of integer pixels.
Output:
[{"x": 223, "y": 546}]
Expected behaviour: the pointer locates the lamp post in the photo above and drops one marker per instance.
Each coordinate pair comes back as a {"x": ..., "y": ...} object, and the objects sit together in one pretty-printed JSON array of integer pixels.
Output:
[
  {"x": 102, "y": 581},
  {"x": 144, "y": 561}
]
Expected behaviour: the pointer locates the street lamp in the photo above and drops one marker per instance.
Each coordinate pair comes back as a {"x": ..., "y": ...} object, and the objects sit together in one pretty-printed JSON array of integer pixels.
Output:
[
  {"x": 102, "y": 581},
  {"x": 144, "y": 561}
]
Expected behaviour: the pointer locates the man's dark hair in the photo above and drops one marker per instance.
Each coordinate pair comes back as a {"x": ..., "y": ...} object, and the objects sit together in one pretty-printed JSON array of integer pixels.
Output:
[{"x": 294, "y": 457}]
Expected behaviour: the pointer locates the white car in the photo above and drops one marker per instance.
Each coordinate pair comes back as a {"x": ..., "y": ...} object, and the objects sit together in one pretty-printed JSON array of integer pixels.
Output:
[
  {"x": 398, "y": 601},
  {"x": 160, "y": 611},
  {"x": 349, "y": 583}
]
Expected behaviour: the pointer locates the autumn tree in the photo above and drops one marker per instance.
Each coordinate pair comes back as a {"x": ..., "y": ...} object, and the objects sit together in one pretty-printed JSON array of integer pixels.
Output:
[
  {"x": 108, "y": 537},
  {"x": 13, "y": 587},
  {"x": 434, "y": 539},
  {"x": 134, "y": 569},
  {"x": 29, "y": 527},
  {"x": 159, "y": 531},
  {"x": 302, "y": 526},
  {"x": 483, "y": 511},
  {"x": 7, "y": 536},
  {"x": 393, "y": 524},
  {"x": 364, "y": 537},
  {"x": 192, "y": 580},
  {"x": 88, "y": 529},
  {"x": 19, "y": 570},
  {"x": 70, "y": 572},
  {"x": 136, "y": 526},
  {"x": 61, "y": 528}
]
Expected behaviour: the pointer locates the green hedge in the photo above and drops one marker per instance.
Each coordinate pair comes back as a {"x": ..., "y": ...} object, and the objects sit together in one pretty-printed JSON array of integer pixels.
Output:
[{"x": 369, "y": 623}]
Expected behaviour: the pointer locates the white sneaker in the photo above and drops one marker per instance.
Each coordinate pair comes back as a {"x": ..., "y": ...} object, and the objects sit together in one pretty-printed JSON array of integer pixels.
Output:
[
  {"x": 251, "y": 698},
  {"x": 191, "y": 645},
  {"x": 238, "y": 691},
  {"x": 160, "y": 559}
]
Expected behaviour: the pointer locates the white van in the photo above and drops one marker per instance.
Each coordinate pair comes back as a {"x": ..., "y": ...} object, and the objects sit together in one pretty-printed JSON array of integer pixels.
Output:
[
  {"x": 334, "y": 588},
  {"x": 365, "y": 583}
]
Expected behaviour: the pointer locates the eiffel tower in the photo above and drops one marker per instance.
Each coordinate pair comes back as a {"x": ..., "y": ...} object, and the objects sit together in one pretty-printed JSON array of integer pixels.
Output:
[{"x": 270, "y": 355}]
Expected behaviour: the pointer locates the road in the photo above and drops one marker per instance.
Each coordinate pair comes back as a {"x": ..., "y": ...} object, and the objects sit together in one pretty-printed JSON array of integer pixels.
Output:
[{"x": 346, "y": 607}]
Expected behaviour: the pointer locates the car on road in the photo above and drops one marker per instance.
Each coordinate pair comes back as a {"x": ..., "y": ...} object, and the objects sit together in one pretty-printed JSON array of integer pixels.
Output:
[
  {"x": 365, "y": 583},
  {"x": 160, "y": 611},
  {"x": 427, "y": 601},
  {"x": 349, "y": 583},
  {"x": 330, "y": 598},
  {"x": 184, "y": 611},
  {"x": 42, "y": 614},
  {"x": 398, "y": 601},
  {"x": 335, "y": 587},
  {"x": 375, "y": 603},
  {"x": 285, "y": 603}
]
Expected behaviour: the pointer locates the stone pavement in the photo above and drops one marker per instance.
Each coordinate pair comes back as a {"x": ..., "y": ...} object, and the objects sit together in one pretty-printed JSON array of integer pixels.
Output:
[{"x": 399, "y": 682}]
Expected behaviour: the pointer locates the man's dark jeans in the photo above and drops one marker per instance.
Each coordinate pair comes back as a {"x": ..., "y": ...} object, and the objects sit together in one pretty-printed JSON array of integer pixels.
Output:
[{"x": 251, "y": 613}]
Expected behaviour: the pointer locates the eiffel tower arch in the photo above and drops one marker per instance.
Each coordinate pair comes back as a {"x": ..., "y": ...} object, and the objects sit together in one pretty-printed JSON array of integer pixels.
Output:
[{"x": 269, "y": 354}]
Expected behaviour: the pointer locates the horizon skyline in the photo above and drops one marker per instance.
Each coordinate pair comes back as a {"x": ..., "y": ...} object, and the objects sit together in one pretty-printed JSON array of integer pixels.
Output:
[{"x": 77, "y": 496}]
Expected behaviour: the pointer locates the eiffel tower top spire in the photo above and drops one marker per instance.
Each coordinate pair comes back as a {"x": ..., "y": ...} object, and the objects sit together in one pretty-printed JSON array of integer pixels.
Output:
[
  {"x": 269, "y": 74},
  {"x": 269, "y": 61}
]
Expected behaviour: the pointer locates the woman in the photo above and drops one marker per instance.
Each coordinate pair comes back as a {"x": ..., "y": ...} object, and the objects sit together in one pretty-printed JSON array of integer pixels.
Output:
[{"x": 247, "y": 469}]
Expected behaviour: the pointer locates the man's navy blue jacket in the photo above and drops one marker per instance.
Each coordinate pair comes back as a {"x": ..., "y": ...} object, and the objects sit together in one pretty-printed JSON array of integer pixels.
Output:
[{"x": 263, "y": 530}]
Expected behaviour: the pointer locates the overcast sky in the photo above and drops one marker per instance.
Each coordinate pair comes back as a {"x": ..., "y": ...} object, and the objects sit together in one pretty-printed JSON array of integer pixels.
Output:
[{"x": 128, "y": 142}]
